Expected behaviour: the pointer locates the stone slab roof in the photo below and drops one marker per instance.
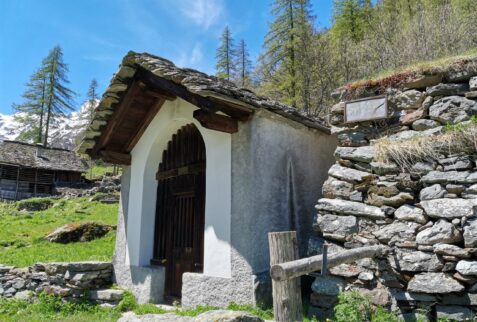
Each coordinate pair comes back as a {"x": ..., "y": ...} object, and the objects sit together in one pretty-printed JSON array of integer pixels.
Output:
[
  {"x": 35, "y": 156},
  {"x": 195, "y": 82}
]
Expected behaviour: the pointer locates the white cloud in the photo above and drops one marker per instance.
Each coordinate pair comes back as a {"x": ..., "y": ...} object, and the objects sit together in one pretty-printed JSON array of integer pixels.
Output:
[
  {"x": 191, "y": 58},
  {"x": 203, "y": 13}
]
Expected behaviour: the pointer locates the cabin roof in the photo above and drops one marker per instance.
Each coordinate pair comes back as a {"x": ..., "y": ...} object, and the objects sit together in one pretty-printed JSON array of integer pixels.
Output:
[
  {"x": 157, "y": 77},
  {"x": 36, "y": 156}
]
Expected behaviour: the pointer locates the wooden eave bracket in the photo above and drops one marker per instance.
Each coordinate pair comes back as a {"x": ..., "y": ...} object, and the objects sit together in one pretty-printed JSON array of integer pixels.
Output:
[
  {"x": 116, "y": 157},
  {"x": 216, "y": 122}
]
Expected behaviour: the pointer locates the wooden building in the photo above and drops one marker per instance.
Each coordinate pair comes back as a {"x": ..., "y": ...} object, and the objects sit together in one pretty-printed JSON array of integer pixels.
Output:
[
  {"x": 29, "y": 170},
  {"x": 208, "y": 170}
]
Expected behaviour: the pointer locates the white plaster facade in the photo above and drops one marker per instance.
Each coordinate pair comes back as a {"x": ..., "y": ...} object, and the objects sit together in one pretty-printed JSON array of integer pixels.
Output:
[{"x": 265, "y": 177}]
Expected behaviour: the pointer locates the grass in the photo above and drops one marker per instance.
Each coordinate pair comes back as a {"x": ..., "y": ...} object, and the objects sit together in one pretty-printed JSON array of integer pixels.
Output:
[
  {"x": 22, "y": 232},
  {"x": 98, "y": 170},
  {"x": 405, "y": 153},
  {"x": 393, "y": 77}
]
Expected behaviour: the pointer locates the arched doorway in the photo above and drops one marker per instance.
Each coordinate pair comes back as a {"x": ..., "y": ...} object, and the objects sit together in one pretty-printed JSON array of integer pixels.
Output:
[{"x": 180, "y": 208}]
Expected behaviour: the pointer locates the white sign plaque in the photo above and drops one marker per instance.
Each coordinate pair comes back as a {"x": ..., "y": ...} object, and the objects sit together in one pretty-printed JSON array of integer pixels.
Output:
[{"x": 366, "y": 109}]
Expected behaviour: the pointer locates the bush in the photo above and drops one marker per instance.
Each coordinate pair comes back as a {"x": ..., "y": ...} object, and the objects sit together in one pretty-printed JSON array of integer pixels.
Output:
[
  {"x": 353, "y": 307},
  {"x": 34, "y": 204}
]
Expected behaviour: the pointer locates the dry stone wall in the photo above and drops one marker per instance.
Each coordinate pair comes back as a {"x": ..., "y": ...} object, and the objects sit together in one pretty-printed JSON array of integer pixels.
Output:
[
  {"x": 70, "y": 281},
  {"x": 426, "y": 214}
]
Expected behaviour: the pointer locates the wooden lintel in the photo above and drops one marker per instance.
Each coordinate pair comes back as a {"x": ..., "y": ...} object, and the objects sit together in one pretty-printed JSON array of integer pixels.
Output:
[
  {"x": 216, "y": 122},
  {"x": 235, "y": 111},
  {"x": 188, "y": 169},
  {"x": 168, "y": 86},
  {"x": 153, "y": 110},
  {"x": 116, "y": 157},
  {"x": 160, "y": 94}
]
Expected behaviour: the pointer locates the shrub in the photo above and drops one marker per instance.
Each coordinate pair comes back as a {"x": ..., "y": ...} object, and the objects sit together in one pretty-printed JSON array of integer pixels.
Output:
[
  {"x": 353, "y": 307},
  {"x": 34, "y": 204}
]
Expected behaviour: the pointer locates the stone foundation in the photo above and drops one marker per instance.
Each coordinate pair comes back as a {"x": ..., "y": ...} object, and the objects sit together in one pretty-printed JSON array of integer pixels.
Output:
[
  {"x": 69, "y": 281},
  {"x": 425, "y": 211}
]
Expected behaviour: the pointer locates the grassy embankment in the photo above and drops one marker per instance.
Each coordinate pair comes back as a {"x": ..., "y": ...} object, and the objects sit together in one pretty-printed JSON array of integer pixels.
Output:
[{"x": 22, "y": 232}]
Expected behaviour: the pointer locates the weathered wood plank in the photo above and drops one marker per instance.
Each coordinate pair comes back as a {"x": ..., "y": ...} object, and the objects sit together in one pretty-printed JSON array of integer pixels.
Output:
[
  {"x": 287, "y": 304},
  {"x": 116, "y": 157},
  {"x": 295, "y": 268}
]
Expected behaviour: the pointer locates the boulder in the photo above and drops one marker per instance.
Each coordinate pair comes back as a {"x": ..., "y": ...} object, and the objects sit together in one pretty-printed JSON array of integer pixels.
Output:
[
  {"x": 337, "y": 227},
  {"x": 424, "y": 124},
  {"x": 452, "y": 250},
  {"x": 334, "y": 188},
  {"x": 441, "y": 232},
  {"x": 349, "y": 208},
  {"x": 433, "y": 192},
  {"x": 453, "y": 110},
  {"x": 449, "y": 208},
  {"x": 348, "y": 174},
  {"x": 78, "y": 232},
  {"x": 411, "y": 99},
  {"x": 467, "y": 267},
  {"x": 397, "y": 231},
  {"x": 470, "y": 234},
  {"x": 434, "y": 283},
  {"x": 359, "y": 154},
  {"x": 415, "y": 261},
  {"x": 410, "y": 213},
  {"x": 453, "y": 313},
  {"x": 328, "y": 285},
  {"x": 447, "y": 89}
]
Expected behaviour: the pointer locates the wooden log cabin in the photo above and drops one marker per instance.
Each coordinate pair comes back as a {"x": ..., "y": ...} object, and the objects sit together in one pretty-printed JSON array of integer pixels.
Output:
[{"x": 29, "y": 170}]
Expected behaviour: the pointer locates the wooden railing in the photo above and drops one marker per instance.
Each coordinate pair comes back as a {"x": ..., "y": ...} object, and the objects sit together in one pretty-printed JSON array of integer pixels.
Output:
[{"x": 285, "y": 268}]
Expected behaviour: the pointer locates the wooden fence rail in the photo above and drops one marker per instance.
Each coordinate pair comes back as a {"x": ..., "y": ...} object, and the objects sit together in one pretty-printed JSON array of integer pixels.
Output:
[{"x": 286, "y": 268}]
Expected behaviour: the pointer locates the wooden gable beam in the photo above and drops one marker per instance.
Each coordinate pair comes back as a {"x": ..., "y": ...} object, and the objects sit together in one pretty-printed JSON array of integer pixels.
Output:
[
  {"x": 118, "y": 116},
  {"x": 216, "y": 122},
  {"x": 116, "y": 157},
  {"x": 153, "y": 110}
]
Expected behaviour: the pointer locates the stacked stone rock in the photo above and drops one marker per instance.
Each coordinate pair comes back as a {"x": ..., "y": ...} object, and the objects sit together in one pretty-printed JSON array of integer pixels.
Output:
[
  {"x": 67, "y": 280},
  {"x": 427, "y": 215}
]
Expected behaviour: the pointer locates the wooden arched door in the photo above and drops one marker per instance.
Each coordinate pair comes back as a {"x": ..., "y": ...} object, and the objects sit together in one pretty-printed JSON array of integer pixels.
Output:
[{"x": 180, "y": 208}]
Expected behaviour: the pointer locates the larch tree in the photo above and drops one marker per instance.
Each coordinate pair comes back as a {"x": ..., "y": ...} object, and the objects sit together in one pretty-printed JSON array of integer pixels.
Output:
[
  {"x": 284, "y": 46},
  {"x": 92, "y": 101},
  {"x": 31, "y": 112},
  {"x": 243, "y": 64},
  {"x": 58, "y": 98},
  {"x": 225, "y": 55}
]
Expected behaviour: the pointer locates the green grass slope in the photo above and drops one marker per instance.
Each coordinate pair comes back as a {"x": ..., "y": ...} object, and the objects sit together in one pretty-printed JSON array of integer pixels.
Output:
[{"x": 21, "y": 232}]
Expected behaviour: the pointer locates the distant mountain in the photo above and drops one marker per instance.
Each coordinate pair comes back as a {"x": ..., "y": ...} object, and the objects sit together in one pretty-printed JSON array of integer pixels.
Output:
[{"x": 63, "y": 133}]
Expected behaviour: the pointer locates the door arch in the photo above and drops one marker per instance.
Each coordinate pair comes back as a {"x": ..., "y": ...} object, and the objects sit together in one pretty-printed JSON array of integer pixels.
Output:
[{"x": 180, "y": 208}]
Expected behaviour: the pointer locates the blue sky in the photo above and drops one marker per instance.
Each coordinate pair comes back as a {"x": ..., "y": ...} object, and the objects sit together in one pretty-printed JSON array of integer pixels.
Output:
[{"x": 96, "y": 34}]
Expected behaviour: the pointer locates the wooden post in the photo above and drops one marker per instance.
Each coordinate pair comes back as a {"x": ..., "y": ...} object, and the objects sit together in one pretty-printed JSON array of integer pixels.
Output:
[
  {"x": 16, "y": 188},
  {"x": 287, "y": 304}
]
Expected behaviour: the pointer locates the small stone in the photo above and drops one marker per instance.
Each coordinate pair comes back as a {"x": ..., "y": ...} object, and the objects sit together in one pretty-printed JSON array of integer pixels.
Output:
[
  {"x": 410, "y": 213},
  {"x": 473, "y": 83},
  {"x": 455, "y": 188},
  {"x": 328, "y": 285},
  {"x": 422, "y": 168},
  {"x": 411, "y": 116},
  {"x": 470, "y": 234},
  {"x": 467, "y": 279},
  {"x": 441, "y": 232},
  {"x": 359, "y": 154},
  {"x": 356, "y": 196},
  {"x": 411, "y": 99},
  {"x": 337, "y": 227},
  {"x": 383, "y": 168},
  {"x": 433, "y": 192},
  {"x": 19, "y": 284},
  {"x": 366, "y": 276},
  {"x": 393, "y": 201},
  {"x": 449, "y": 267},
  {"x": 449, "y": 208},
  {"x": 472, "y": 189},
  {"x": 24, "y": 295},
  {"x": 423, "y": 81},
  {"x": 338, "y": 108},
  {"x": 451, "y": 250},
  {"x": 453, "y": 110},
  {"x": 348, "y": 174},
  {"x": 434, "y": 283},
  {"x": 424, "y": 124},
  {"x": 467, "y": 267},
  {"x": 453, "y": 313},
  {"x": 471, "y": 95},
  {"x": 447, "y": 177},
  {"x": 345, "y": 270},
  {"x": 222, "y": 316},
  {"x": 397, "y": 231},
  {"x": 457, "y": 163},
  {"x": 349, "y": 208},
  {"x": 334, "y": 188},
  {"x": 415, "y": 261},
  {"x": 456, "y": 221},
  {"x": 447, "y": 89}
]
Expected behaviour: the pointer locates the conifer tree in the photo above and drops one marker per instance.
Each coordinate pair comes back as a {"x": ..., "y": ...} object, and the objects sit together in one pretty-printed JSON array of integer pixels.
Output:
[
  {"x": 33, "y": 108},
  {"x": 284, "y": 45},
  {"x": 92, "y": 99},
  {"x": 225, "y": 55},
  {"x": 243, "y": 64},
  {"x": 58, "y": 98}
]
